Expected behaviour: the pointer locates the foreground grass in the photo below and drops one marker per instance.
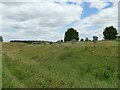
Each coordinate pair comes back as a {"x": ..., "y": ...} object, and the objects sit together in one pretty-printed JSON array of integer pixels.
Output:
[
  {"x": 0, "y": 65},
  {"x": 81, "y": 65}
]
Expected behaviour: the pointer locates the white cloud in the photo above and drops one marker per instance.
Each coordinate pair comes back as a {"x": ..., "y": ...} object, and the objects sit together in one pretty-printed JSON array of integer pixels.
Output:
[
  {"x": 99, "y": 4},
  {"x": 77, "y": 1},
  {"x": 43, "y": 20},
  {"x": 40, "y": 20},
  {"x": 105, "y": 17}
]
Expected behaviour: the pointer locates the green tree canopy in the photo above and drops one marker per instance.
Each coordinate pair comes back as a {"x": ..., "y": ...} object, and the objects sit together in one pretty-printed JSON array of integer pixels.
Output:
[
  {"x": 71, "y": 34},
  {"x": 82, "y": 39},
  {"x": 110, "y": 33}
]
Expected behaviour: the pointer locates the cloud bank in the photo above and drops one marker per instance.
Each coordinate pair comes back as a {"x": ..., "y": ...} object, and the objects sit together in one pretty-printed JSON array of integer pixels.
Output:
[{"x": 47, "y": 19}]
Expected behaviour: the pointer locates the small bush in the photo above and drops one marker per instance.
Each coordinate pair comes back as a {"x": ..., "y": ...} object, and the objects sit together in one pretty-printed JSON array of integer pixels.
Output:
[{"x": 82, "y": 39}]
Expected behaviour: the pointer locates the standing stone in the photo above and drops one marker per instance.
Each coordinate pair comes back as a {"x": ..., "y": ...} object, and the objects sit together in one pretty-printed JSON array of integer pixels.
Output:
[
  {"x": 95, "y": 39},
  {"x": 73, "y": 41}
]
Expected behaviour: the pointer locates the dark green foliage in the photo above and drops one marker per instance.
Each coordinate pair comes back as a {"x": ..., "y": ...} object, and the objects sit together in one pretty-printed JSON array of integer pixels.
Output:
[
  {"x": 71, "y": 34},
  {"x": 110, "y": 33},
  {"x": 51, "y": 43},
  {"x": 61, "y": 40},
  {"x": 82, "y": 39}
]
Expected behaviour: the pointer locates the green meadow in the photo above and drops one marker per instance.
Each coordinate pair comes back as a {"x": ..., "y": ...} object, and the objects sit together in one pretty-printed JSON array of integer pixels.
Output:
[{"x": 65, "y": 65}]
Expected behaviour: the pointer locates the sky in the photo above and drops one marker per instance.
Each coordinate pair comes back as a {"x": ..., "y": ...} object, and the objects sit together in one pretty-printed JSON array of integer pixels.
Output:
[{"x": 49, "y": 19}]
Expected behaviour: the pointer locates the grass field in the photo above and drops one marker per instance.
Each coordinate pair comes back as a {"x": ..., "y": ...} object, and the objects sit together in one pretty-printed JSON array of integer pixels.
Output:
[{"x": 81, "y": 65}]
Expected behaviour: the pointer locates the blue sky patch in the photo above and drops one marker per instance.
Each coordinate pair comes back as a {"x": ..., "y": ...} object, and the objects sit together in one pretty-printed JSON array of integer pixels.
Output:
[
  {"x": 93, "y": 27},
  {"x": 87, "y": 10},
  {"x": 64, "y": 28},
  {"x": 110, "y": 4}
]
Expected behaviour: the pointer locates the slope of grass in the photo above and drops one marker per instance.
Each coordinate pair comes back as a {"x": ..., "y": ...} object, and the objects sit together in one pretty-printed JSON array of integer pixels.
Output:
[
  {"x": 81, "y": 65},
  {"x": 0, "y": 65}
]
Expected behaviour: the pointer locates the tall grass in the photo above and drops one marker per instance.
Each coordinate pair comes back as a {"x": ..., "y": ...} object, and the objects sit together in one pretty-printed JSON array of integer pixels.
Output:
[{"x": 81, "y": 65}]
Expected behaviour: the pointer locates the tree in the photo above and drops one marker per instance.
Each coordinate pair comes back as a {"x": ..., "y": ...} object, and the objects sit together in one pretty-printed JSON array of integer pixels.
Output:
[
  {"x": 82, "y": 39},
  {"x": 61, "y": 40},
  {"x": 110, "y": 33},
  {"x": 71, "y": 34},
  {"x": 51, "y": 43}
]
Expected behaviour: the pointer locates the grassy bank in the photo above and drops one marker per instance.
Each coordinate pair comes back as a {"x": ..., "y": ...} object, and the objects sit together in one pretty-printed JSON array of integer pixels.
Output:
[{"x": 82, "y": 65}]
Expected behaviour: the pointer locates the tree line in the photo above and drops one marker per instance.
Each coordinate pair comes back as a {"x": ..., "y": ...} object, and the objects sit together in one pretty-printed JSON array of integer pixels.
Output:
[{"x": 110, "y": 33}]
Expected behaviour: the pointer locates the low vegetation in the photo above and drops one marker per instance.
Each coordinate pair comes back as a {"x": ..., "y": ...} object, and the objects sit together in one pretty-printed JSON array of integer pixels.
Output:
[{"x": 80, "y": 65}]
